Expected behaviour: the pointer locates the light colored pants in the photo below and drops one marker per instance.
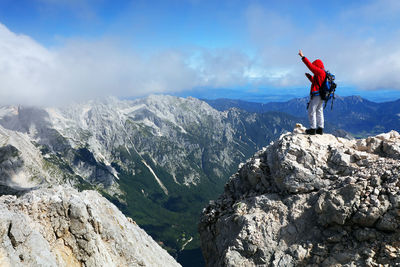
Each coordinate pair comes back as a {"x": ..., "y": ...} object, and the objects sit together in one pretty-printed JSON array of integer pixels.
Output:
[{"x": 316, "y": 112}]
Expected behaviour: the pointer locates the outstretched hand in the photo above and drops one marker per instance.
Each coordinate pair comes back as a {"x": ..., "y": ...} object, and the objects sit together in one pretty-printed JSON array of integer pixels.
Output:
[{"x": 301, "y": 53}]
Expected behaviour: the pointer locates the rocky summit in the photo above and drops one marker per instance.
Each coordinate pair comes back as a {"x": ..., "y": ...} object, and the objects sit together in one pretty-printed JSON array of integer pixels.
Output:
[
  {"x": 309, "y": 201},
  {"x": 63, "y": 227}
]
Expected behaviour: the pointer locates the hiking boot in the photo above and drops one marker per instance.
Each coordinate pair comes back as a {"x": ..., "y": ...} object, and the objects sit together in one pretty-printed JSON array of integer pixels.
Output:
[
  {"x": 320, "y": 130},
  {"x": 310, "y": 131}
]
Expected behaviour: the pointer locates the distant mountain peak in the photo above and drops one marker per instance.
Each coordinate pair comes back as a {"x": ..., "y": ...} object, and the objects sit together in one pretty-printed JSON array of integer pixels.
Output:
[{"x": 159, "y": 153}]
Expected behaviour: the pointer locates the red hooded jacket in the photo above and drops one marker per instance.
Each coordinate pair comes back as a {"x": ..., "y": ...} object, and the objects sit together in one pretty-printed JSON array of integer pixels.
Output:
[{"x": 317, "y": 68}]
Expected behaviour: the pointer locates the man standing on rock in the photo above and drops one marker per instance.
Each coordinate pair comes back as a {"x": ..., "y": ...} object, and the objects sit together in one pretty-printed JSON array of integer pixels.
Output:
[{"x": 315, "y": 106}]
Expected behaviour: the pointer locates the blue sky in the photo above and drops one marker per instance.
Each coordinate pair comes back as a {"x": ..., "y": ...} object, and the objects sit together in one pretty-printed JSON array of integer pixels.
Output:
[{"x": 61, "y": 50}]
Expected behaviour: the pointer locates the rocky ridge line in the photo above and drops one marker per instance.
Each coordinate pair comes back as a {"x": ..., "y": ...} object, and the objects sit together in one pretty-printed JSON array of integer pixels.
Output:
[
  {"x": 63, "y": 227},
  {"x": 309, "y": 201}
]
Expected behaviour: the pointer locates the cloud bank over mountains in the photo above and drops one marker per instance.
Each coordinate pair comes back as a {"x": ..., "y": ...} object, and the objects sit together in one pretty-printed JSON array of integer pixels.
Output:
[
  {"x": 359, "y": 47},
  {"x": 34, "y": 74}
]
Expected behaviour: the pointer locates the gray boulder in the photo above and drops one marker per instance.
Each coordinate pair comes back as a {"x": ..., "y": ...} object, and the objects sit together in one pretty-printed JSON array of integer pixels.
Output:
[
  {"x": 63, "y": 227},
  {"x": 309, "y": 201}
]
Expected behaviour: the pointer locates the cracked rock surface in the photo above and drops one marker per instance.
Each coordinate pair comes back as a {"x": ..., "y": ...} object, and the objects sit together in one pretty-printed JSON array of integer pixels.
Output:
[
  {"x": 309, "y": 201},
  {"x": 63, "y": 227}
]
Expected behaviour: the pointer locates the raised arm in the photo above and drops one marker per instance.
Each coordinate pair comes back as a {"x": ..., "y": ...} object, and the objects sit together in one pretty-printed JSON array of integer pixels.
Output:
[{"x": 310, "y": 66}]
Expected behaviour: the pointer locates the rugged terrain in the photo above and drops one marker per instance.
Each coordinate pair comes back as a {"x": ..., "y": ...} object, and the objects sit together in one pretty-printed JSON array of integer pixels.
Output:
[
  {"x": 354, "y": 114},
  {"x": 309, "y": 201},
  {"x": 60, "y": 226},
  {"x": 159, "y": 159}
]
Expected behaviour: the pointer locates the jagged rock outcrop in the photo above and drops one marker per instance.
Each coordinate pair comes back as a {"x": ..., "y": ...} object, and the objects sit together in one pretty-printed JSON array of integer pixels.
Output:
[
  {"x": 309, "y": 201},
  {"x": 162, "y": 152},
  {"x": 63, "y": 227}
]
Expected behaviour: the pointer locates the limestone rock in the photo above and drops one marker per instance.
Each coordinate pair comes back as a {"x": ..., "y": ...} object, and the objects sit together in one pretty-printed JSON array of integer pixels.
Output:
[
  {"x": 309, "y": 201},
  {"x": 63, "y": 227}
]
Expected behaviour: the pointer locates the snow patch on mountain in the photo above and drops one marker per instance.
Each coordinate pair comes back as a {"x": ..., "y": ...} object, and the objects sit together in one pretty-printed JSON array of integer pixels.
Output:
[
  {"x": 155, "y": 177},
  {"x": 186, "y": 137}
]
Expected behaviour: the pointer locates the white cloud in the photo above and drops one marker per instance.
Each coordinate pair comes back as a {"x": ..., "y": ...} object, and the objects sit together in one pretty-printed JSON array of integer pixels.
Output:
[
  {"x": 358, "y": 53},
  {"x": 23, "y": 63},
  {"x": 222, "y": 67},
  {"x": 33, "y": 74}
]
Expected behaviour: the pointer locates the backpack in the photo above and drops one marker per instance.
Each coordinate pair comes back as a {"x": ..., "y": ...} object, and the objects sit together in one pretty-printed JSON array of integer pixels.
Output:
[{"x": 327, "y": 89}]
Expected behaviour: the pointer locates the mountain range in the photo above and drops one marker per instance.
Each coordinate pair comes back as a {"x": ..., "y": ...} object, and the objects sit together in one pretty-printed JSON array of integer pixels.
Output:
[
  {"x": 159, "y": 159},
  {"x": 354, "y": 114}
]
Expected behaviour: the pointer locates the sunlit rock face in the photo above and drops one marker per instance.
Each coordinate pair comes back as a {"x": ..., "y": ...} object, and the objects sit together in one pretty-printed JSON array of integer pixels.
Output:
[
  {"x": 60, "y": 226},
  {"x": 161, "y": 152},
  {"x": 309, "y": 201},
  {"x": 95, "y": 141}
]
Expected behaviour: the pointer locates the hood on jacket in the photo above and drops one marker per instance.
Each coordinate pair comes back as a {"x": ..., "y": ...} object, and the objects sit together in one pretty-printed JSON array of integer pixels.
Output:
[{"x": 318, "y": 63}]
